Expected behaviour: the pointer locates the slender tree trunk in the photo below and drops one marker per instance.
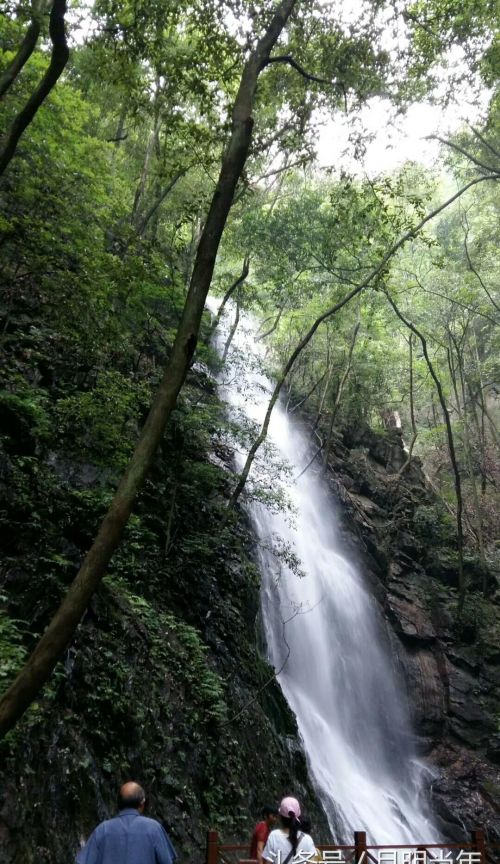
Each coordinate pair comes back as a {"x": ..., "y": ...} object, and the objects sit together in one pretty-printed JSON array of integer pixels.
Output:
[
  {"x": 468, "y": 455},
  {"x": 482, "y": 406},
  {"x": 325, "y": 445},
  {"x": 196, "y": 229},
  {"x": 451, "y": 449},
  {"x": 59, "y": 58},
  {"x": 453, "y": 378},
  {"x": 328, "y": 381},
  {"x": 309, "y": 393},
  {"x": 61, "y": 629},
  {"x": 232, "y": 330},
  {"x": 150, "y": 147},
  {"x": 143, "y": 220},
  {"x": 414, "y": 430},
  {"x": 119, "y": 134},
  {"x": 230, "y": 291},
  {"x": 25, "y": 50},
  {"x": 479, "y": 425},
  {"x": 274, "y": 324},
  {"x": 340, "y": 390}
]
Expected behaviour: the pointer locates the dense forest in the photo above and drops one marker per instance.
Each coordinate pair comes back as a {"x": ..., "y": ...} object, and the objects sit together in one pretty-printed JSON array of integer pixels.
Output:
[{"x": 153, "y": 154}]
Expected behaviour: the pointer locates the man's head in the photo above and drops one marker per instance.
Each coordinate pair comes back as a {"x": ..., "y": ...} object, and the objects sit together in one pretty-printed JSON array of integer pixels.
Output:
[
  {"x": 269, "y": 815},
  {"x": 131, "y": 796}
]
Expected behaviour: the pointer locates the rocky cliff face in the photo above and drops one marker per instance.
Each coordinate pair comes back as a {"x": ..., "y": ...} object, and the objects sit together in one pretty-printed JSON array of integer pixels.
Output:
[
  {"x": 451, "y": 666},
  {"x": 164, "y": 682}
]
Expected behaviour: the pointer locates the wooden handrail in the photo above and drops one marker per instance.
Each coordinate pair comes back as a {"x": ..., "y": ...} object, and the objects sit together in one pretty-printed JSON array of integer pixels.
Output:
[{"x": 363, "y": 851}]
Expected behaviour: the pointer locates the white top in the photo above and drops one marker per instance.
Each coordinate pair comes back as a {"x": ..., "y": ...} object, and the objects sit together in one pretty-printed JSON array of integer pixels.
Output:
[{"x": 278, "y": 847}]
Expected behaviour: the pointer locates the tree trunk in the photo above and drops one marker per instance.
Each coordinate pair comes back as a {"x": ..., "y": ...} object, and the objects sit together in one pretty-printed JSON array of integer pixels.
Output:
[
  {"x": 340, "y": 390},
  {"x": 61, "y": 629},
  {"x": 58, "y": 60},
  {"x": 230, "y": 291},
  {"x": 150, "y": 146},
  {"x": 310, "y": 392},
  {"x": 328, "y": 381},
  {"x": 232, "y": 331},
  {"x": 25, "y": 50},
  {"x": 274, "y": 325},
  {"x": 325, "y": 445},
  {"x": 414, "y": 430},
  {"x": 468, "y": 455},
  {"x": 451, "y": 449},
  {"x": 142, "y": 221}
]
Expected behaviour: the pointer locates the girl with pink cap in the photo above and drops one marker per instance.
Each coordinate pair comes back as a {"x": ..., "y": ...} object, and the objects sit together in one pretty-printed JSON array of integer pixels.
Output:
[{"x": 288, "y": 842}]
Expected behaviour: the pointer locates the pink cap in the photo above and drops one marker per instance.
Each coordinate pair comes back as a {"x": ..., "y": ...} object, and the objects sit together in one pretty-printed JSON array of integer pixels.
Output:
[{"x": 290, "y": 806}]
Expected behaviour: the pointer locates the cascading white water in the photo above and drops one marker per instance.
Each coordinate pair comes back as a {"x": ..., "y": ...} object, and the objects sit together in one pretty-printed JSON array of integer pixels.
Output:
[{"x": 336, "y": 669}]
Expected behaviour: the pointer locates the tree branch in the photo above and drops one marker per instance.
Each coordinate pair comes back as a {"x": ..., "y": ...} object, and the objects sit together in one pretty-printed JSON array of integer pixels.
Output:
[
  {"x": 230, "y": 291},
  {"x": 58, "y": 60},
  {"x": 24, "y": 52},
  {"x": 289, "y": 60},
  {"x": 483, "y": 166},
  {"x": 484, "y": 141},
  {"x": 373, "y": 275}
]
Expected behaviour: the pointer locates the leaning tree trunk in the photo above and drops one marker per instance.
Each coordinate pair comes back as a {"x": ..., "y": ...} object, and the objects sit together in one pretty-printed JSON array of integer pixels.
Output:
[
  {"x": 58, "y": 59},
  {"x": 230, "y": 291},
  {"x": 61, "y": 629},
  {"x": 232, "y": 331},
  {"x": 25, "y": 49}
]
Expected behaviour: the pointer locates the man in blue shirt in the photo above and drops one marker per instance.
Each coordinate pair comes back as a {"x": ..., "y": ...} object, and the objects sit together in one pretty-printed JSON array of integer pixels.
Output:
[{"x": 129, "y": 838}]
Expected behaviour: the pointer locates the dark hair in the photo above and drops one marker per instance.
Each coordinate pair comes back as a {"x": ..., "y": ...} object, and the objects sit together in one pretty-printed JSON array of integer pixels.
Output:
[
  {"x": 269, "y": 810},
  {"x": 293, "y": 825},
  {"x": 132, "y": 800}
]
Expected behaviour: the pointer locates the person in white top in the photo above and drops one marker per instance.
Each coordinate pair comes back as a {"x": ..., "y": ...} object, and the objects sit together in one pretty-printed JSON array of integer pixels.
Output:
[{"x": 288, "y": 844}]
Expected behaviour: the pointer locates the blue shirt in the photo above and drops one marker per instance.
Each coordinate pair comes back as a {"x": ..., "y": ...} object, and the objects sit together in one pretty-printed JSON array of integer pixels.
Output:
[{"x": 129, "y": 838}]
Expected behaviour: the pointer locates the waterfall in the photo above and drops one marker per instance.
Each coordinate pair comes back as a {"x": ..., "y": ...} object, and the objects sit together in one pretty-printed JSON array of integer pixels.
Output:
[{"x": 326, "y": 634}]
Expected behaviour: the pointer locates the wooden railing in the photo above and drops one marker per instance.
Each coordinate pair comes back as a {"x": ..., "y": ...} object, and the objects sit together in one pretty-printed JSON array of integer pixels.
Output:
[{"x": 473, "y": 851}]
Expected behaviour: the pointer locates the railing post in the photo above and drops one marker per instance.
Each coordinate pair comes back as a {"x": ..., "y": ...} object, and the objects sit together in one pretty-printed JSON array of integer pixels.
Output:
[
  {"x": 212, "y": 843},
  {"x": 424, "y": 850},
  {"x": 360, "y": 852},
  {"x": 479, "y": 843}
]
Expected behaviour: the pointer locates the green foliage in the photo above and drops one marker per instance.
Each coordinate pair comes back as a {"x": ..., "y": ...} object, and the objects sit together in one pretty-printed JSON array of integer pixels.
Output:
[
  {"x": 12, "y": 652},
  {"x": 101, "y": 424},
  {"x": 24, "y": 414},
  {"x": 434, "y": 524},
  {"x": 176, "y": 647}
]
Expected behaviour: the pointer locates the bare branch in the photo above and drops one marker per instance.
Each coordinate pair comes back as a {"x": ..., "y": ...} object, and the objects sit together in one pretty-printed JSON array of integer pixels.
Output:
[
  {"x": 482, "y": 165},
  {"x": 484, "y": 141},
  {"x": 230, "y": 291},
  {"x": 290, "y": 61}
]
